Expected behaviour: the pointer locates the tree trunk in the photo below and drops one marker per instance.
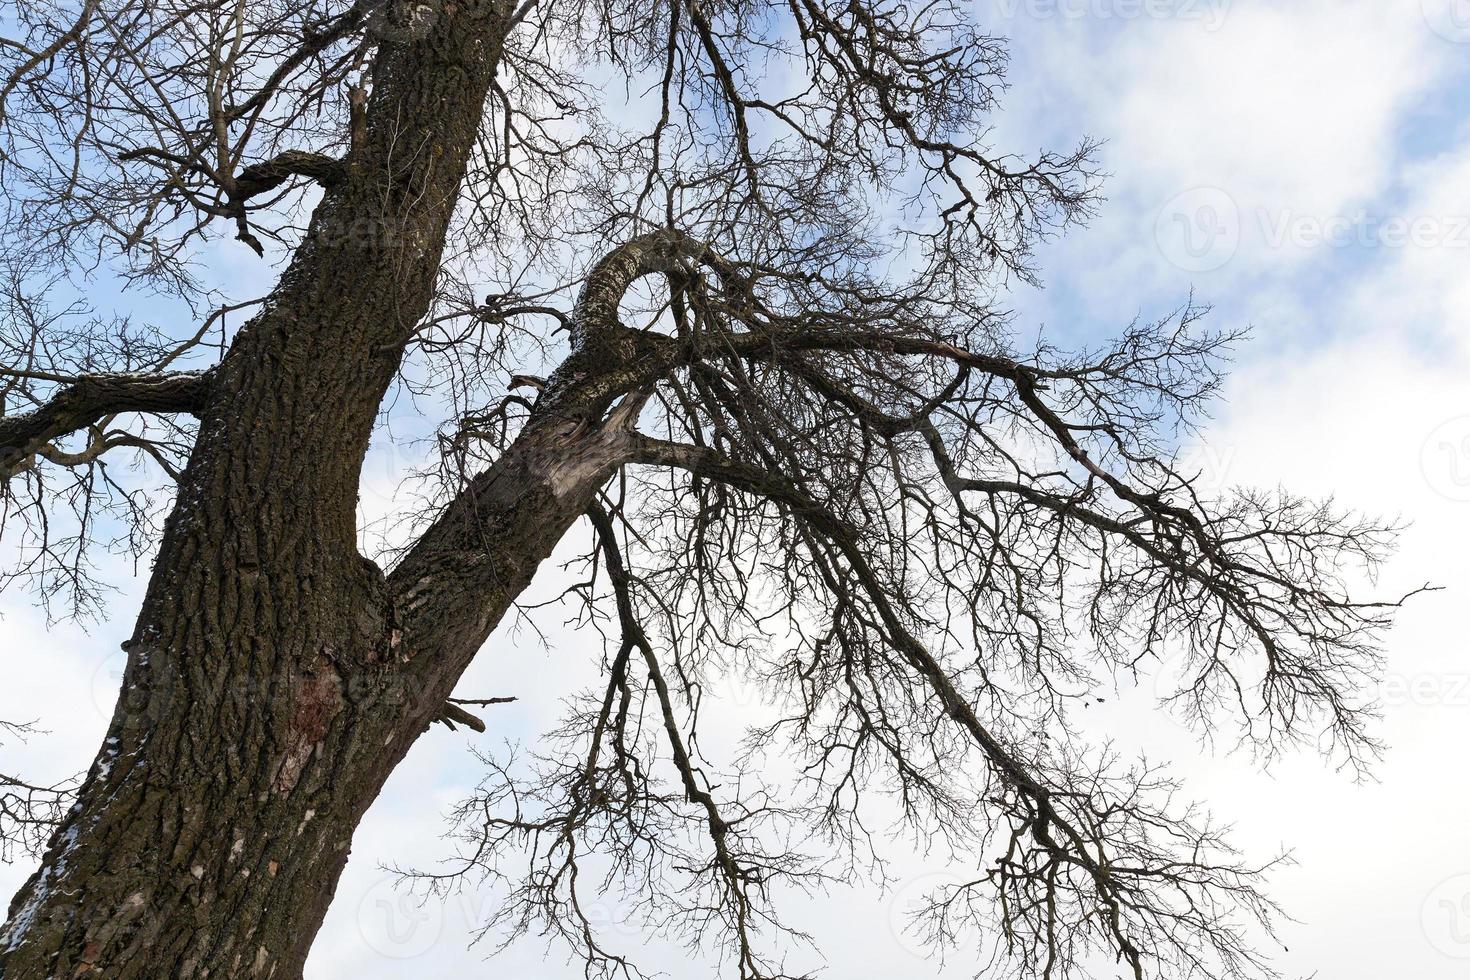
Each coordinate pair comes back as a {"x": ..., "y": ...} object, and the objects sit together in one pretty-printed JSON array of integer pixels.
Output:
[{"x": 275, "y": 677}]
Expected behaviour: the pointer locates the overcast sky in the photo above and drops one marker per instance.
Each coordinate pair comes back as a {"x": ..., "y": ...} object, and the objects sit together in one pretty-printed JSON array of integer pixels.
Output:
[{"x": 1304, "y": 167}]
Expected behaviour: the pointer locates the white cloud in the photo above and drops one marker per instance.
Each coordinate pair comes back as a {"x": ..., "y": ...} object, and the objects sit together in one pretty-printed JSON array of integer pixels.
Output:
[
  {"x": 1286, "y": 105},
  {"x": 1275, "y": 138}
]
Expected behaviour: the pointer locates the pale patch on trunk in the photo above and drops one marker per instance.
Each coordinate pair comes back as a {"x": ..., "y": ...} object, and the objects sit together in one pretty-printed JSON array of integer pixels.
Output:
[{"x": 318, "y": 698}]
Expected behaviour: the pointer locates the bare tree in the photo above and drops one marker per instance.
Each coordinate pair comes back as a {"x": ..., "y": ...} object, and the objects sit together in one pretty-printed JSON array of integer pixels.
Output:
[{"x": 724, "y": 280}]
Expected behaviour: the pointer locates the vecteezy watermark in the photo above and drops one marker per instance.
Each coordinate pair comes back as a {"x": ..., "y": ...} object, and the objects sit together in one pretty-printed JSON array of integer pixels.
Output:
[
  {"x": 403, "y": 22},
  {"x": 1444, "y": 459},
  {"x": 1282, "y": 229},
  {"x": 388, "y": 472},
  {"x": 908, "y": 907},
  {"x": 1198, "y": 230},
  {"x": 106, "y": 682},
  {"x": 1208, "y": 468},
  {"x": 1445, "y": 917},
  {"x": 1201, "y": 229},
  {"x": 159, "y": 689},
  {"x": 1208, "y": 13},
  {"x": 1450, "y": 19},
  {"x": 397, "y": 924},
  {"x": 1426, "y": 690},
  {"x": 1176, "y": 684}
]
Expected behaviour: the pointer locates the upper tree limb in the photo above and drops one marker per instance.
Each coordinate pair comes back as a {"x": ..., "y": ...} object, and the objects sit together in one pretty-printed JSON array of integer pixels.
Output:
[{"x": 86, "y": 399}]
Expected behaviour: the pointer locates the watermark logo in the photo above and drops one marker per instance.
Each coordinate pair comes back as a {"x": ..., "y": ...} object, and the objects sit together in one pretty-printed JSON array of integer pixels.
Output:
[
  {"x": 1444, "y": 459},
  {"x": 1446, "y": 917},
  {"x": 106, "y": 683},
  {"x": 1182, "y": 687},
  {"x": 1450, "y": 19},
  {"x": 398, "y": 924},
  {"x": 1208, "y": 468},
  {"x": 1210, "y": 14},
  {"x": 388, "y": 472},
  {"x": 404, "y": 23},
  {"x": 911, "y": 904},
  {"x": 1425, "y": 690},
  {"x": 1283, "y": 229},
  {"x": 1199, "y": 230}
]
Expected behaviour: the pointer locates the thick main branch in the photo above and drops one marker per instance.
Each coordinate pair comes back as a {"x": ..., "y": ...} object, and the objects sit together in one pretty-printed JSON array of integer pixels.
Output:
[{"x": 92, "y": 397}]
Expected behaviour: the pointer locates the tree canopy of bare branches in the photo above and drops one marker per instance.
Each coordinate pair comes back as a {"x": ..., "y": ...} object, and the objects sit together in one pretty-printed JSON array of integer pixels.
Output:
[{"x": 720, "y": 288}]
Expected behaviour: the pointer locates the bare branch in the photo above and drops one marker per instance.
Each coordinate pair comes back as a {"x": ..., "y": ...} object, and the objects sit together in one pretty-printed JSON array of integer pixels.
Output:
[{"x": 87, "y": 399}]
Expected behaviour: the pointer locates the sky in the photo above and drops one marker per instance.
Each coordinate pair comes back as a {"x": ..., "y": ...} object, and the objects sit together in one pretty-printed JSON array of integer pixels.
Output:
[{"x": 1304, "y": 168}]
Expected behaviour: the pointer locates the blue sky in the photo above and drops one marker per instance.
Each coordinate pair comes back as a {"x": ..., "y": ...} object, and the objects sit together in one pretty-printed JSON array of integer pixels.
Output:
[{"x": 1309, "y": 137}]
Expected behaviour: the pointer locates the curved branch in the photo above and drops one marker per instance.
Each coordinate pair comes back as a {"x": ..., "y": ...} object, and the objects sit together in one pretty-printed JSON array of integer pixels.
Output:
[
  {"x": 269, "y": 174},
  {"x": 615, "y": 272}
]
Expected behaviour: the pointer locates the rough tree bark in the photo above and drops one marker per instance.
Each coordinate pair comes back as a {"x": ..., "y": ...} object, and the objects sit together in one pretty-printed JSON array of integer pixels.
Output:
[{"x": 275, "y": 677}]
